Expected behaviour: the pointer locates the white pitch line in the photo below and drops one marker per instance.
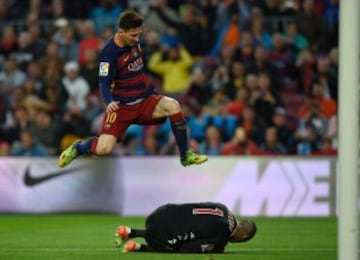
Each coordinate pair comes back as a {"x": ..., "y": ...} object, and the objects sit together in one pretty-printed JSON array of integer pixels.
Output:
[
  {"x": 283, "y": 249},
  {"x": 117, "y": 249},
  {"x": 61, "y": 249}
]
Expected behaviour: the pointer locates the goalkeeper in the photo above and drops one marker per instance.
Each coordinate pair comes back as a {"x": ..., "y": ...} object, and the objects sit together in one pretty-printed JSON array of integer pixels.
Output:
[{"x": 187, "y": 228}]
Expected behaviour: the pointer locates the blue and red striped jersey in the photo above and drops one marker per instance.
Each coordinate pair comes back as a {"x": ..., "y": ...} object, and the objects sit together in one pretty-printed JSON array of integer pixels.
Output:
[{"x": 121, "y": 74}]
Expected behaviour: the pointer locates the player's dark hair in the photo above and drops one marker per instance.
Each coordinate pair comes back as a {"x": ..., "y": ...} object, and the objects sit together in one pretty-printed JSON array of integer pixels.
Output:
[{"x": 130, "y": 19}]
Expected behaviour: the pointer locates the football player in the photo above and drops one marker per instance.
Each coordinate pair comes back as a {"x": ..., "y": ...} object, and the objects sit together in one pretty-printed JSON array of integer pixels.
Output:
[
  {"x": 187, "y": 228},
  {"x": 130, "y": 97}
]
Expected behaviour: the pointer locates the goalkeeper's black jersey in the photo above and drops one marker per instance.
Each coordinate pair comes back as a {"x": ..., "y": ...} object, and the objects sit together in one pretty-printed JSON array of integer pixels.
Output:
[{"x": 202, "y": 226}]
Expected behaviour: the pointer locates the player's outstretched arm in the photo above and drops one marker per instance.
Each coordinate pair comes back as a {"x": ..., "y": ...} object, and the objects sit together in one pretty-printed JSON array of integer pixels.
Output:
[{"x": 213, "y": 245}]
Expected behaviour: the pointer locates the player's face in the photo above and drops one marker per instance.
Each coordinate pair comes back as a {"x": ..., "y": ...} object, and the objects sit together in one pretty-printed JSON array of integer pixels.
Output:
[{"x": 130, "y": 37}]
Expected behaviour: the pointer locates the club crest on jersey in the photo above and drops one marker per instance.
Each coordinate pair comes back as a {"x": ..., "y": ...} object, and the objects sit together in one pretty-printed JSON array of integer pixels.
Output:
[
  {"x": 136, "y": 65},
  {"x": 104, "y": 68},
  {"x": 135, "y": 52}
]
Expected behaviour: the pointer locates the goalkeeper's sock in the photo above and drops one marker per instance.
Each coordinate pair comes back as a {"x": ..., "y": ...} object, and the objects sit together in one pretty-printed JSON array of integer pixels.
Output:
[
  {"x": 136, "y": 233},
  {"x": 87, "y": 146},
  {"x": 178, "y": 126}
]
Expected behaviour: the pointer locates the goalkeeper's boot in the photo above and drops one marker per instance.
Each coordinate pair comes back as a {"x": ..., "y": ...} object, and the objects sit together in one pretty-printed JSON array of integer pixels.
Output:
[
  {"x": 68, "y": 155},
  {"x": 193, "y": 158},
  {"x": 131, "y": 246},
  {"x": 121, "y": 235}
]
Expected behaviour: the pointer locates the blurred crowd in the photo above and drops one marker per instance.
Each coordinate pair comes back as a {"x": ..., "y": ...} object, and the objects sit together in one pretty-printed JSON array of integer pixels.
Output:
[{"x": 254, "y": 77}]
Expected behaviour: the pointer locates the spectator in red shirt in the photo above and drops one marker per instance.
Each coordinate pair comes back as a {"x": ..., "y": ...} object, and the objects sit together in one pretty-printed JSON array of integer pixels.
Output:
[
  {"x": 89, "y": 40},
  {"x": 326, "y": 148},
  {"x": 240, "y": 145}
]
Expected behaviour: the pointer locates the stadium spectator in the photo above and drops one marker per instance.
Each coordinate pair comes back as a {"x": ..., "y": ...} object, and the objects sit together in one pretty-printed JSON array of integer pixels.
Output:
[
  {"x": 212, "y": 144},
  {"x": 6, "y": 11},
  {"x": 232, "y": 33},
  {"x": 308, "y": 142},
  {"x": 150, "y": 46},
  {"x": 261, "y": 63},
  {"x": 12, "y": 77},
  {"x": 327, "y": 78},
  {"x": 237, "y": 106},
  {"x": 106, "y": 34},
  {"x": 237, "y": 80},
  {"x": 154, "y": 21},
  {"x": 221, "y": 119},
  {"x": 285, "y": 135},
  {"x": 294, "y": 40},
  {"x": 68, "y": 44},
  {"x": 33, "y": 73},
  {"x": 240, "y": 144},
  {"x": 280, "y": 57},
  {"x": 46, "y": 129},
  {"x": 253, "y": 125},
  {"x": 89, "y": 71},
  {"x": 187, "y": 228},
  {"x": 261, "y": 37},
  {"x": 8, "y": 41},
  {"x": 26, "y": 51},
  {"x": 105, "y": 13},
  {"x": 4, "y": 148},
  {"x": 76, "y": 87},
  {"x": 327, "y": 106},
  {"x": 313, "y": 127},
  {"x": 245, "y": 50},
  {"x": 51, "y": 57},
  {"x": 197, "y": 122},
  {"x": 251, "y": 82},
  {"x": 265, "y": 98},
  {"x": 272, "y": 145},
  {"x": 28, "y": 146},
  {"x": 172, "y": 63},
  {"x": 220, "y": 78},
  {"x": 199, "y": 92},
  {"x": 17, "y": 120},
  {"x": 37, "y": 38},
  {"x": 310, "y": 25},
  {"x": 326, "y": 148},
  {"x": 188, "y": 29},
  {"x": 305, "y": 66},
  {"x": 88, "y": 39}
]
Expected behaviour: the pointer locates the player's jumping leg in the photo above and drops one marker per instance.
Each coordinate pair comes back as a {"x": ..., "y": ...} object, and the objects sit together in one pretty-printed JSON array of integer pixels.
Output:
[
  {"x": 179, "y": 128},
  {"x": 75, "y": 149},
  {"x": 193, "y": 158}
]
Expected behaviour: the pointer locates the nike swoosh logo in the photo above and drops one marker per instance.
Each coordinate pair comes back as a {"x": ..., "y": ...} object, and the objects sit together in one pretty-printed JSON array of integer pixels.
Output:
[{"x": 31, "y": 181}]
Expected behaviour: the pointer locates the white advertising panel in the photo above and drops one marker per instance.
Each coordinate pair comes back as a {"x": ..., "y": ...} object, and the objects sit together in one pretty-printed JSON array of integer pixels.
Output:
[{"x": 249, "y": 186}]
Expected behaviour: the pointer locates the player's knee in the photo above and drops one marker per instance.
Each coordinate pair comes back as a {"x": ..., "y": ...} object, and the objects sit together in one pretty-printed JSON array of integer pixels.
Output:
[
  {"x": 173, "y": 106},
  {"x": 103, "y": 149}
]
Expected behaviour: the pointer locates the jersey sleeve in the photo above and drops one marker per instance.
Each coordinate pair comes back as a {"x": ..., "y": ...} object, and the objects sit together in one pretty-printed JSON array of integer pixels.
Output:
[{"x": 106, "y": 72}]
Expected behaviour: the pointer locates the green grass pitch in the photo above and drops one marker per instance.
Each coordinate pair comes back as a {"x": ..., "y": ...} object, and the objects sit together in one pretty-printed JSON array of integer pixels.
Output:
[{"x": 90, "y": 236}]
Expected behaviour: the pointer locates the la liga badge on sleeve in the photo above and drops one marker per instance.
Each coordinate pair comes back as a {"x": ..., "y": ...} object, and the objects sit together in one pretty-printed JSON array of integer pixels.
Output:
[{"x": 104, "y": 69}]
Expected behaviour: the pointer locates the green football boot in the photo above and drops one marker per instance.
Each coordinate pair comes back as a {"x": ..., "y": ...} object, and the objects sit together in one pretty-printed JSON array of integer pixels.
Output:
[
  {"x": 193, "y": 158},
  {"x": 68, "y": 155}
]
